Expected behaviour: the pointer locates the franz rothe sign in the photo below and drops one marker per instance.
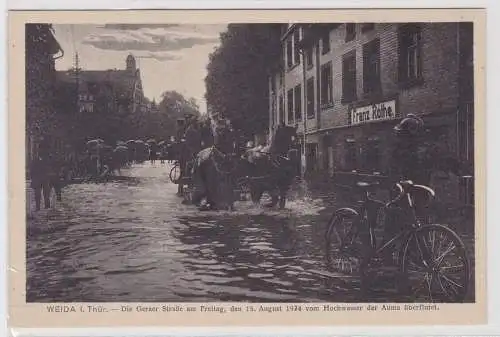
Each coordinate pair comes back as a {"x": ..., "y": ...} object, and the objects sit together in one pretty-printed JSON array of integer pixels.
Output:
[{"x": 376, "y": 112}]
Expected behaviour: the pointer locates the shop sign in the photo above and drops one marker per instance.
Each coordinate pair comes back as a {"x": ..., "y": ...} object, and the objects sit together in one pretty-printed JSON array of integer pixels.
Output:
[{"x": 373, "y": 113}]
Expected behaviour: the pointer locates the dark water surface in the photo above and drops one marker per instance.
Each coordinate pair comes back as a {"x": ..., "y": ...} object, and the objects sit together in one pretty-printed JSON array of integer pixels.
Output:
[{"x": 133, "y": 240}]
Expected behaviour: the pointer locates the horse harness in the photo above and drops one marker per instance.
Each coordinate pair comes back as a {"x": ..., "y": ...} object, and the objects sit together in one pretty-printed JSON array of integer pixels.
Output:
[{"x": 224, "y": 156}]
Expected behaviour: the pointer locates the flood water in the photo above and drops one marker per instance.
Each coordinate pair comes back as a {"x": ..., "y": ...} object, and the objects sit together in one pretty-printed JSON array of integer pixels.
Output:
[{"x": 132, "y": 240}]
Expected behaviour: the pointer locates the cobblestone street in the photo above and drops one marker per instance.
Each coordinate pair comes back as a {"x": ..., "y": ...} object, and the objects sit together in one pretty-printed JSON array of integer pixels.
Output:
[{"x": 131, "y": 239}]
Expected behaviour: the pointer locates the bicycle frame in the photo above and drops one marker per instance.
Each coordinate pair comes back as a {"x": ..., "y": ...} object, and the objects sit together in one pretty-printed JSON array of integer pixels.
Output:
[{"x": 368, "y": 212}]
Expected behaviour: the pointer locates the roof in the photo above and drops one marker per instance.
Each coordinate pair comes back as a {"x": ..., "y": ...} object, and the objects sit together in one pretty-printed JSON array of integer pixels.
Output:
[{"x": 117, "y": 78}]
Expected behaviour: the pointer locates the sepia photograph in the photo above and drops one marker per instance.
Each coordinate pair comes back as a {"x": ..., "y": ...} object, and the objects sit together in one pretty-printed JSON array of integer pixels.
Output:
[
  {"x": 258, "y": 162},
  {"x": 247, "y": 167}
]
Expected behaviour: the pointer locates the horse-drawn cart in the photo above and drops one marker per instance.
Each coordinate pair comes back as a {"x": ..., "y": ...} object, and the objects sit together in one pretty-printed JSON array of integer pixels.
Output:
[{"x": 183, "y": 178}]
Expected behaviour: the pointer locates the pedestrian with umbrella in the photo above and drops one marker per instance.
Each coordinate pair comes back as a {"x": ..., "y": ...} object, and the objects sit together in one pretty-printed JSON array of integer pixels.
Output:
[
  {"x": 94, "y": 149},
  {"x": 132, "y": 148},
  {"x": 120, "y": 154},
  {"x": 153, "y": 150},
  {"x": 162, "y": 146}
]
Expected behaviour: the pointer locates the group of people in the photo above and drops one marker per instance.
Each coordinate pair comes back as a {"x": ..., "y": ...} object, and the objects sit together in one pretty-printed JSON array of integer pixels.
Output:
[{"x": 47, "y": 172}]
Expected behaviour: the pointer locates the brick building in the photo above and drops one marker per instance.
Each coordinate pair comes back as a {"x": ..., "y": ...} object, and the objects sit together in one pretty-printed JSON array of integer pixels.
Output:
[
  {"x": 359, "y": 79},
  {"x": 98, "y": 93}
]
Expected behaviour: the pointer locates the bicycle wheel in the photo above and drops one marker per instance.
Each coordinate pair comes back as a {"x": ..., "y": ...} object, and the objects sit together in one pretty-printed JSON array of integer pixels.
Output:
[
  {"x": 344, "y": 243},
  {"x": 175, "y": 174},
  {"x": 434, "y": 266}
]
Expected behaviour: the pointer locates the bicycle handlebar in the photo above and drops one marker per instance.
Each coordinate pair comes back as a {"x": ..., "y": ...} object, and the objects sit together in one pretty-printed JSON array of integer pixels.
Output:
[{"x": 402, "y": 191}]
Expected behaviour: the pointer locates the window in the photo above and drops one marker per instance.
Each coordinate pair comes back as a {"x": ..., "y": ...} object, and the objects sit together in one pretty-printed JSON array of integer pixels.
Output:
[
  {"x": 326, "y": 84},
  {"x": 289, "y": 52},
  {"x": 298, "y": 102},
  {"x": 350, "y": 154},
  {"x": 290, "y": 106},
  {"x": 365, "y": 27},
  {"x": 350, "y": 31},
  {"x": 310, "y": 98},
  {"x": 349, "y": 77},
  {"x": 282, "y": 109},
  {"x": 309, "y": 57},
  {"x": 296, "y": 39},
  {"x": 372, "y": 155},
  {"x": 325, "y": 42},
  {"x": 466, "y": 132},
  {"x": 87, "y": 107},
  {"x": 371, "y": 66},
  {"x": 410, "y": 54}
]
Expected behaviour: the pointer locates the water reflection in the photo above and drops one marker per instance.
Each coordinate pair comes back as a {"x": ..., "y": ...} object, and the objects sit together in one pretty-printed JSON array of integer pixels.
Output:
[{"x": 131, "y": 239}]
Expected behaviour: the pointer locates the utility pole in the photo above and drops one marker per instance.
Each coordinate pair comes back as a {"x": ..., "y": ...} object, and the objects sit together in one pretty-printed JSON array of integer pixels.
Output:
[{"x": 76, "y": 76}]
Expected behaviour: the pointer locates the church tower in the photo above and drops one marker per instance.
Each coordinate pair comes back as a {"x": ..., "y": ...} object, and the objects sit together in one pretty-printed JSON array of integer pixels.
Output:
[{"x": 131, "y": 63}]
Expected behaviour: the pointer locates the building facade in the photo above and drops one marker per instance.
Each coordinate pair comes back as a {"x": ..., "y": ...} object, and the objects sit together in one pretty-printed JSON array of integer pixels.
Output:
[
  {"x": 96, "y": 94},
  {"x": 42, "y": 49},
  {"x": 346, "y": 85}
]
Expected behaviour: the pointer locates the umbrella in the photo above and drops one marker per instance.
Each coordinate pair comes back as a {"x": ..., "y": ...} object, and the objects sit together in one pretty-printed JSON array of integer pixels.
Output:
[
  {"x": 161, "y": 143},
  {"x": 120, "y": 142},
  {"x": 139, "y": 142},
  {"x": 95, "y": 141},
  {"x": 130, "y": 141},
  {"x": 120, "y": 148},
  {"x": 151, "y": 140}
]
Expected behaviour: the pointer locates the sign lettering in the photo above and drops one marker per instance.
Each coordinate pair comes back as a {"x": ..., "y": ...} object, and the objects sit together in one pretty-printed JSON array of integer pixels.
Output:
[{"x": 373, "y": 113}]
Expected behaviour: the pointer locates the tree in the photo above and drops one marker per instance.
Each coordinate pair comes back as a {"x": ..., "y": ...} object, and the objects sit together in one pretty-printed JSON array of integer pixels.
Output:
[
  {"x": 237, "y": 74},
  {"x": 160, "y": 120}
]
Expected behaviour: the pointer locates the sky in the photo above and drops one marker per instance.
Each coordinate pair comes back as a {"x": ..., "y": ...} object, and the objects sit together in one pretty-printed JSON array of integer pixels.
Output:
[{"x": 170, "y": 56}]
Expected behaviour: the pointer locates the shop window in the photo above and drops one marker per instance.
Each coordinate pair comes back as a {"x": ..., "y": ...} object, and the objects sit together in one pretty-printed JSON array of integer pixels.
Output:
[
  {"x": 410, "y": 54},
  {"x": 298, "y": 102},
  {"x": 350, "y": 154},
  {"x": 326, "y": 84},
  {"x": 372, "y": 155},
  {"x": 325, "y": 43},
  {"x": 349, "y": 77},
  {"x": 290, "y": 106},
  {"x": 366, "y": 27},
  {"x": 371, "y": 67},
  {"x": 310, "y": 98},
  {"x": 350, "y": 31}
]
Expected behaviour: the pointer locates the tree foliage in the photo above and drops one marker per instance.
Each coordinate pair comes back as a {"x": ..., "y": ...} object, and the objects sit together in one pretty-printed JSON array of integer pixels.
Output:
[
  {"x": 160, "y": 121},
  {"x": 237, "y": 74}
]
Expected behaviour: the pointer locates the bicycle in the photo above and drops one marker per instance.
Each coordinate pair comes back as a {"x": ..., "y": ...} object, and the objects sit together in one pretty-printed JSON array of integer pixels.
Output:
[{"x": 435, "y": 271}]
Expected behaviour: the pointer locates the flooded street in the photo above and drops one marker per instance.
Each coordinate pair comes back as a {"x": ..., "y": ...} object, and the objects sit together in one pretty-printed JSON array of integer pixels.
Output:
[{"x": 133, "y": 240}]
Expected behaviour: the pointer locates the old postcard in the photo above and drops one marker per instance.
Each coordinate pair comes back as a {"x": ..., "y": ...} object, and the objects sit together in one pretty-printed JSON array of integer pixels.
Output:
[{"x": 247, "y": 167}]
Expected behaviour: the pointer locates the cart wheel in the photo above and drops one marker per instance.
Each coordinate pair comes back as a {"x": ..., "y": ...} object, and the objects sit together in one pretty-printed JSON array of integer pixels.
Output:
[{"x": 175, "y": 174}]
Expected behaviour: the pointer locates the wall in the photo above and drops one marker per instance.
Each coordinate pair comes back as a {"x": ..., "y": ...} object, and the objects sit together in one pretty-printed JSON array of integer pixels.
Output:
[{"x": 437, "y": 93}]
